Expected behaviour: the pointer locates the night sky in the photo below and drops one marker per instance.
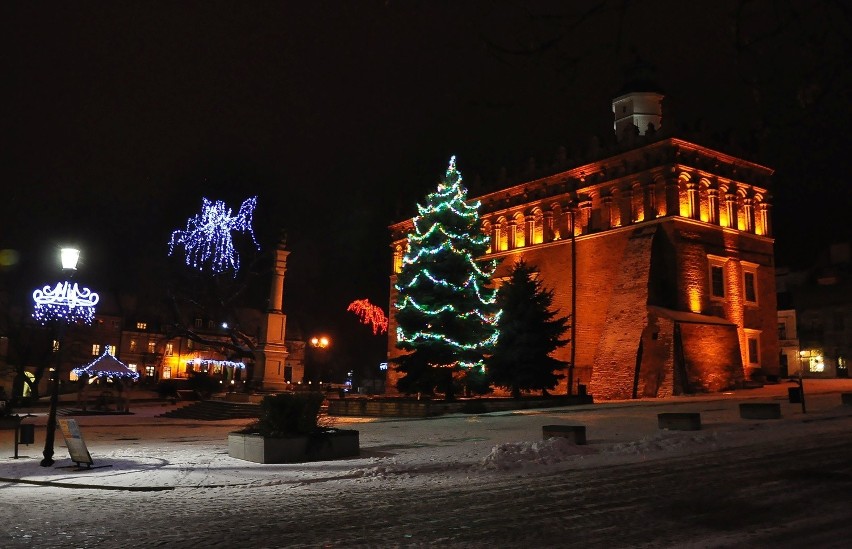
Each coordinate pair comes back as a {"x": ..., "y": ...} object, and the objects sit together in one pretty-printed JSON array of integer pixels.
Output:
[{"x": 119, "y": 116}]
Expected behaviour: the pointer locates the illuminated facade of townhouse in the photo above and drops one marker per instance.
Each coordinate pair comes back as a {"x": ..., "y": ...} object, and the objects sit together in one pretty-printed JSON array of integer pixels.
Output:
[{"x": 661, "y": 248}]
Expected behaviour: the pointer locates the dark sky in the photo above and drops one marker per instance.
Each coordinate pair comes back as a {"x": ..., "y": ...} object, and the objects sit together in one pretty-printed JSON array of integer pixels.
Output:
[{"x": 119, "y": 116}]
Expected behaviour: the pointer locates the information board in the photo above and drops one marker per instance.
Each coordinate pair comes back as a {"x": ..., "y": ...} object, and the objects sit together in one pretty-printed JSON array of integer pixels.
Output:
[{"x": 76, "y": 447}]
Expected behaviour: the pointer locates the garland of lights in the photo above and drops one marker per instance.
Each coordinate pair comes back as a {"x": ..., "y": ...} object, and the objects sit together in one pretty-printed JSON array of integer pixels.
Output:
[
  {"x": 370, "y": 314},
  {"x": 89, "y": 371},
  {"x": 207, "y": 239},
  {"x": 433, "y": 242},
  {"x": 66, "y": 302},
  {"x": 208, "y": 363}
]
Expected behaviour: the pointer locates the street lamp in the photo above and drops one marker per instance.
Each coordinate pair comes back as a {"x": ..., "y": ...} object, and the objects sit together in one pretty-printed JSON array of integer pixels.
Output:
[
  {"x": 60, "y": 305},
  {"x": 321, "y": 343}
]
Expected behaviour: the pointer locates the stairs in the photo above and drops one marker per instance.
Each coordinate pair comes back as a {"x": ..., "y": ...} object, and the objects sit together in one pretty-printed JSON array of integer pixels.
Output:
[{"x": 212, "y": 410}]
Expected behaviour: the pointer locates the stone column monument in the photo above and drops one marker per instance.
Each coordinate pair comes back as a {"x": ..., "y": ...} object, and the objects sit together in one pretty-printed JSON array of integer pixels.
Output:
[{"x": 271, "y": 351}]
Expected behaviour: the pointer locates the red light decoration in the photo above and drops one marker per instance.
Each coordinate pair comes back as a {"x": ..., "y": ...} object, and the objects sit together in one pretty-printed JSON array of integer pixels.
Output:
[{"x": 370, "y": 314}]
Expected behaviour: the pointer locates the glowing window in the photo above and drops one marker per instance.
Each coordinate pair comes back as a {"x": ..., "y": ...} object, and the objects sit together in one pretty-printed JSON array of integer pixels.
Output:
[
  {"x": 152, "y": 346},
  {"x": 169, "y": 349},
  {"x": 109, "y": 349},
  {"x": 816, "y": 364},
  {"x": 96, "y": 349},
  {"x": 149, "y": 371},
  {"x": 132, "y": 367},
  {"x": 133, "y": 345},
  {"x": 55, "y": 345},
  {"x": 141, "y": 326}
]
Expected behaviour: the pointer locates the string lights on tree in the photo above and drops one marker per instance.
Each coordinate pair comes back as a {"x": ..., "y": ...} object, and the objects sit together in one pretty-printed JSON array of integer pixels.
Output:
[
  {"x": 445, "y": 310},
  {"x": 207, "y": 239},
  {"x": 370, "y": 314}
]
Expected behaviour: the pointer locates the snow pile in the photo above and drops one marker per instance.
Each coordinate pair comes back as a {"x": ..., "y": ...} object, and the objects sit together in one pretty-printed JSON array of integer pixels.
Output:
[
  {"x": 513, "y": 455},
  {"x": 662, "y": 442}
]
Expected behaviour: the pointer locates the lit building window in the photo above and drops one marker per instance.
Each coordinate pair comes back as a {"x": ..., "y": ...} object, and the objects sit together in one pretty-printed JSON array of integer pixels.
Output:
[
  {"x": 189, "y": 344},
  {"x": 55, "y": 345},
  {"x": 141, "y": 326},
  {"x": 132, "y": 367},
  {"x": 167, "y": 372},
  {"x": 816, "y": 364},
  {"x": 149, "y": 371},
  {"x": 108, "y": 349},
  {"x": 133, "y": 345},
  {"x": 152, "y": 346},
  {"x": 96, "y": 349},
  {"x": 169, "y": 349},
  {"x": 72, "y": 376}
]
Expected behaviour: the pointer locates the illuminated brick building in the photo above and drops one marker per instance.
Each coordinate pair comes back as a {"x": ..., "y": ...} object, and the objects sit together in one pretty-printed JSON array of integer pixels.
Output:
[{"x": 671, "y": 251}]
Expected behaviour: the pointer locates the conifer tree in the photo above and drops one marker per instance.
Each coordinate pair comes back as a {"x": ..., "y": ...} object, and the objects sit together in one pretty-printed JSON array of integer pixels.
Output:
[
  {"x": 445, "y": 309},
  {"x": 529, "y": 333}
]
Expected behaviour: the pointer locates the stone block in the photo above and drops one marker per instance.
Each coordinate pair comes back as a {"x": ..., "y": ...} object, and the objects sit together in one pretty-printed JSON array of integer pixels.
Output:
[
  {"x": 679, "y": 421},
  {"x": 577, "y": 433},
  {"x": 760, "y": 410}
]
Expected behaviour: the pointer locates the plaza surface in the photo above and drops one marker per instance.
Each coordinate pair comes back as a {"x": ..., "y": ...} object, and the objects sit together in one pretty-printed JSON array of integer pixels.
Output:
[{"x": 186, "y": 463}]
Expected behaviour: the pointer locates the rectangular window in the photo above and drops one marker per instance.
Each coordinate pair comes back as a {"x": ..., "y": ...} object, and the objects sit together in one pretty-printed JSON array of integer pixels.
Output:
[
  {"x": 189, "y": 344},
  {"x": 132, "y": 367},
  {"x": 108, "y": 349},
  {"x": 141, "y": 326},
  {"x": 753, "y": 355},
  {"x": 199, "y": 323},
  {"x": 750, "y": 291},
  {"x": 96, "y": 349},
  {"x": 782, "y": 330},
  {"x": 717, "y": 281},
  {"x": 133, "y": 345},
  {"x": 167, "y": 372},
  {"x": 149, "y": 371},
  {"x": 55, "y": 345},
  {"x": 152, "y": 346},
  {"x": 169, "y": 349}
]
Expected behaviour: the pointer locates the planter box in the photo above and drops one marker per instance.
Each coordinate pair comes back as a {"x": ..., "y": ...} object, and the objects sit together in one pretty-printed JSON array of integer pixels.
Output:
[{"x": 323, "y": 446}]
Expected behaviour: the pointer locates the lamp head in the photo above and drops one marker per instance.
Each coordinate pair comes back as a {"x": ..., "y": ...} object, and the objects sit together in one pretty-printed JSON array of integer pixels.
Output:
[{"x": 69, "y": 257}]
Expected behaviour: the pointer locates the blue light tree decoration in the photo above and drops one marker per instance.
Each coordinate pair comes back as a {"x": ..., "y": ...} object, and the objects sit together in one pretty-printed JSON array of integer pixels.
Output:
[
  {"x": 207, "y": 239},
  {"x": 446, "y": 312}
]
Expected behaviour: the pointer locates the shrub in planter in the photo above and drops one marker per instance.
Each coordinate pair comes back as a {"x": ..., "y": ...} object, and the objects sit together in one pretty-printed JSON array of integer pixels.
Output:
[
  {"x": 288, "y": 431},
  {"x": 289, "y": 414}
]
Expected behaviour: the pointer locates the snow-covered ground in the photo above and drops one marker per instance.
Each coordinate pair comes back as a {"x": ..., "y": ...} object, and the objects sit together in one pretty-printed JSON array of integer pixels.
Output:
[{"x": 143, "y": 451}]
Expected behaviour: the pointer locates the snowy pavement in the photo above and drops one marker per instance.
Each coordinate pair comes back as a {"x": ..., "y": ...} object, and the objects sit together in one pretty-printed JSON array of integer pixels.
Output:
[{"x": 145, "y": 452}]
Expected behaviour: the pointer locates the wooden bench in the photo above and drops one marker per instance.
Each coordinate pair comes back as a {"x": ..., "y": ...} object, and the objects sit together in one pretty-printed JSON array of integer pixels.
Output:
[
  {"x": 679, "y": 421},
  {"x": 577, "y": 433},
  {"x": 760, "y": 410}
]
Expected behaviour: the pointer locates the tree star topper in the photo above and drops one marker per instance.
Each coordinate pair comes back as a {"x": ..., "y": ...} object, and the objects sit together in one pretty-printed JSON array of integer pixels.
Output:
[{"x": 207, "y": 238}]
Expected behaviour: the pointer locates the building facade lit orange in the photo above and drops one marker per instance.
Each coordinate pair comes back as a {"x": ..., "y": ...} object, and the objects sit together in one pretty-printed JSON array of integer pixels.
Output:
[{"x": 671, "y": 250}]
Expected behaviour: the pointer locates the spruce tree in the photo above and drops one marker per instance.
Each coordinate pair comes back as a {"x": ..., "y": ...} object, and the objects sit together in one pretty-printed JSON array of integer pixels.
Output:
[
  {"x": 445, "y": 309},
  {"x": 529, "y": 333}
]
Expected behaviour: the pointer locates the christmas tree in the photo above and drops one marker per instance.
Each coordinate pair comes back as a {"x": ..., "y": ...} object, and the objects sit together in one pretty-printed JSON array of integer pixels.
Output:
[
  {"x": 445, "y": 309},
  {"x": 529, "y": 332}
]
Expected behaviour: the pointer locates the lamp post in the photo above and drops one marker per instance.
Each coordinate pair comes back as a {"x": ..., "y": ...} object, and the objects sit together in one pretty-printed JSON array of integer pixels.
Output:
[
  {"x": 60, "y": 305},
  {"x": 802, "y": 355},
  {"x": 321, "y": 343}
]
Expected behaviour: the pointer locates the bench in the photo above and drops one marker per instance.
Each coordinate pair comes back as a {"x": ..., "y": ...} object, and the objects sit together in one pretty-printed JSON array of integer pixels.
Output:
[
  {"x": 679, "y": 421},
  {"x": 577, "y": 433},
  {"x": 760, "y": 410}
]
